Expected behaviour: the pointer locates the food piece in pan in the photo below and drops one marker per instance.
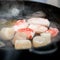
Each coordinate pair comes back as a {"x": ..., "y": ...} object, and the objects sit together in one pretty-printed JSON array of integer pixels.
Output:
[
  {"x": 29, "y": 32},
  {"x": 40, "y": 21},
  {"x": 54, "y": 31},
  {"x": 20, "y": 24},
  {"x": 22, "y": 44},
  {"x": 7, "y": 33},
  {"x": 19, "y": 36},
  {"x": 46, "y": 35},
  {"x": 38, "y": 28},
  {"x": 25, "y": 33},
  {"x": 40, "y": 41}
]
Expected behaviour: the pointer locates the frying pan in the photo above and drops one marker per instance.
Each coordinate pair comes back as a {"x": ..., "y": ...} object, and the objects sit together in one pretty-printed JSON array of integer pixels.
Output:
[{"x": 24, "y": 9}]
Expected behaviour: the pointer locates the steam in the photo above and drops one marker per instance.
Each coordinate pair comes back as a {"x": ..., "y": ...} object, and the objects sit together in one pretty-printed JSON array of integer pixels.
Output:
[
  {"x": 14, "y": 12},
  {"x": 10, "y": 13},
  {"x": 10, "y": 9},
  {"x": 55, "y": 25}
]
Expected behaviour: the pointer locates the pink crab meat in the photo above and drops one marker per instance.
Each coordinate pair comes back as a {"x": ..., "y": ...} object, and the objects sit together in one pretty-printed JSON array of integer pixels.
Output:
[
  {"x": 54, "y": 31},
  {"x": 29, "y": 32},
  {"x": 20, "y": 24},
  {"x": 38, "y": 28}
]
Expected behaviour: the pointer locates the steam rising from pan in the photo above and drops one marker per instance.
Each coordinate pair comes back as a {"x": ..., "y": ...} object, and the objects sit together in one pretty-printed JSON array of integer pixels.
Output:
[
  {"x": 11, "y": 9},
  {"x": 14, "y": 12},
  {"x": 55, "y": 25}
]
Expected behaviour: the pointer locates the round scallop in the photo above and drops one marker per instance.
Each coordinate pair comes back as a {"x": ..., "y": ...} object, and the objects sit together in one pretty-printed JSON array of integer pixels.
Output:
[
  {"x": 38, "y": 28},
  {"x": 7, "y": 33},
  {"x": 40, "y": 41},
  {"x": 46, "y": 35},
  {"x": 22, "y": 44},
  {"x": 40, "y": 21}
]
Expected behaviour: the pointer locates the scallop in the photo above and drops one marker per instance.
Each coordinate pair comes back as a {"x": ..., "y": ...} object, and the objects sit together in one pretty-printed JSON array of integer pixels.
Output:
[
  {"x": 41, "y": 21},
  {"x": 7, "y": 33},
  {"x": 19, "y": 36},
  {"x": 40, "y": 41},
  {"x": 22, "y": 44},
  {"x": 38, "y": 28}
]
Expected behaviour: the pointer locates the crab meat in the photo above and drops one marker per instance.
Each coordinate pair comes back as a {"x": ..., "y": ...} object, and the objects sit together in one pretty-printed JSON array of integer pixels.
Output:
[
  {"x": 7, "y": 33},
  {"x": 38, "y": 28},
  {"x": 19, "y": 36},
  {"x": 29, "y": 32},
  {"x": 40, "y": 21},
  {"x": 54, "y": 31},
  {"x": 20, "y": 24}
]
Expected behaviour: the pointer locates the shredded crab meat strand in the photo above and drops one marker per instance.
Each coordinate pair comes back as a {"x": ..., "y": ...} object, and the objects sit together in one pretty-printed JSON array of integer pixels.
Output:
[
  {"x": 29, "y": 32},
  {"x": 20, "y": 24},
  {"x": 54, "y": 31}
]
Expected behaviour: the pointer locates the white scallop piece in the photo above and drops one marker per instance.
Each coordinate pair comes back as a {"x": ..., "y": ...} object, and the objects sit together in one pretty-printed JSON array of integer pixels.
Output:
[
  {"x": 40, "y": 41},
  {"x": 46, "y": 35},
  {"x": 7, "y": 33},
  {"x": 41, "y": 21},
  {"x": 37, "y": 28},
  {"x": 22, "y": 44}
]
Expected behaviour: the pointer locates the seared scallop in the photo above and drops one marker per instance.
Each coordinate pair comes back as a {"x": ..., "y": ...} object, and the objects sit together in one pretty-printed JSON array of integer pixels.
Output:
[
  {"x": 41, "y": 21},
  {"x": 40, "y": 41},
  {"x": 22, "y": 44},
  {"x": 7, "y": 33}
]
